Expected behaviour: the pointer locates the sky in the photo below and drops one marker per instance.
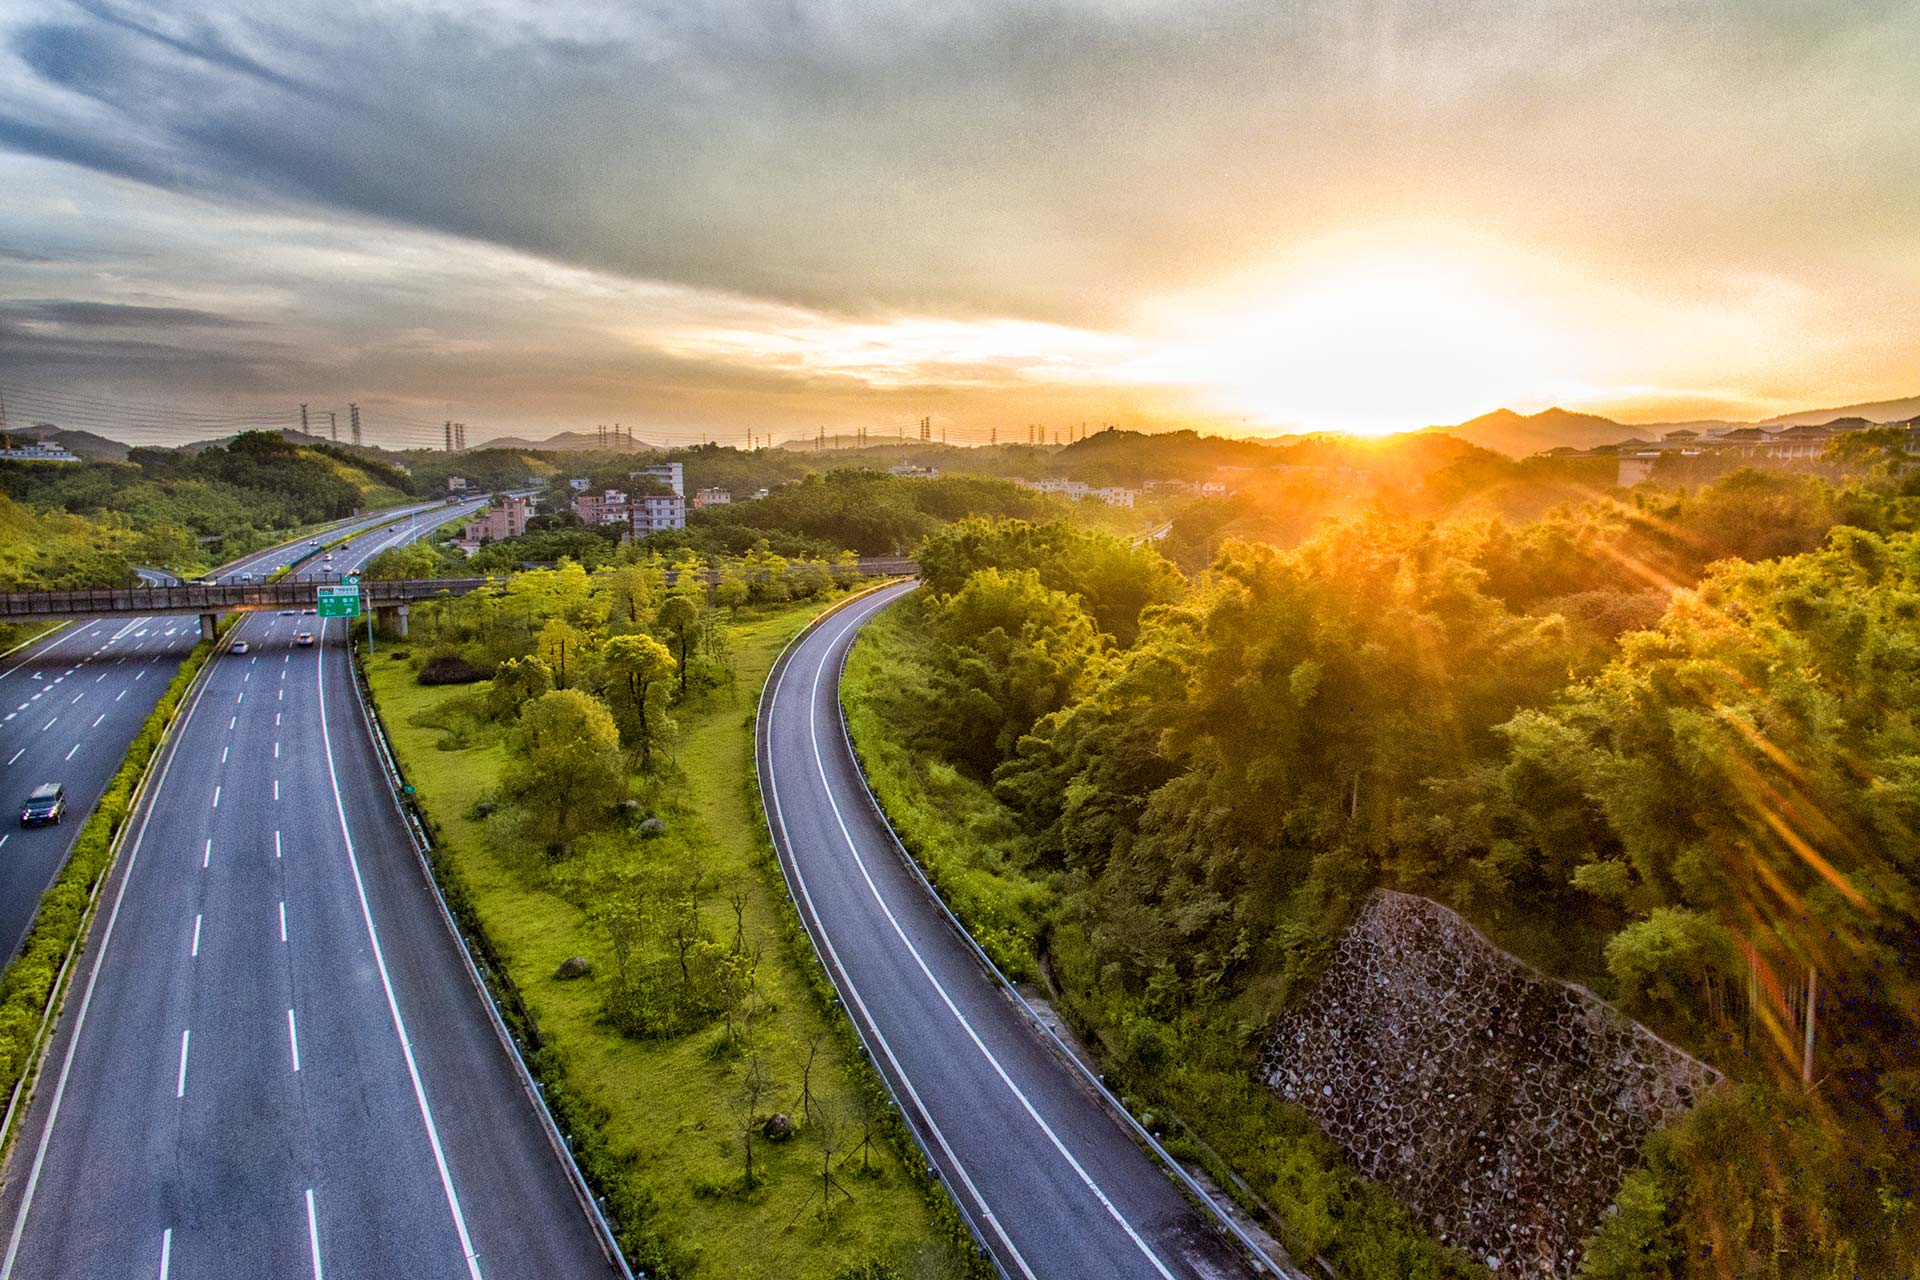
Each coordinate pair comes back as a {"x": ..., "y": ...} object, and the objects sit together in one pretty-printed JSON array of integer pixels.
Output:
[{"x": 715, "y": 219}]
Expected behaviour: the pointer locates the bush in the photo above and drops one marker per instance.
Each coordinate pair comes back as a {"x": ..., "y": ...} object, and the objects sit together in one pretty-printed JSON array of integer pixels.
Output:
[{"x": 450, "y": 669}]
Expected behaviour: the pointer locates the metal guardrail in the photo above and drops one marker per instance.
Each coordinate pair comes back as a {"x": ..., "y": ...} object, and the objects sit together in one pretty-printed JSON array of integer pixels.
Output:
[
  {"x": 1263, "y": 1261},
  {"x": 422, "y": 843}
]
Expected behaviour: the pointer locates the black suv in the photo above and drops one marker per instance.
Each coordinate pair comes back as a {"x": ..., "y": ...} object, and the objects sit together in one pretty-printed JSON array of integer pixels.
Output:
[{"x": 47, "y": 803}]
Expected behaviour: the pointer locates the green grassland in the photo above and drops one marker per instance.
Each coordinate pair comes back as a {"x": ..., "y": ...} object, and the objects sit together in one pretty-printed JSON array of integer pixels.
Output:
[{"x": 671, "y": 1103}]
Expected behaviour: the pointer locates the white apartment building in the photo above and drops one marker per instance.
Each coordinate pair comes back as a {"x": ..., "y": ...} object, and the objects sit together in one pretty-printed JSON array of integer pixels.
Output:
[{"x": 653, "y": 512}]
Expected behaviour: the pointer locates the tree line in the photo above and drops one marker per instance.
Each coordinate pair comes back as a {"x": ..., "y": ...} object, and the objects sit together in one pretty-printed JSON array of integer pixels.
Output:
[{"x": 1666, "y": 748}]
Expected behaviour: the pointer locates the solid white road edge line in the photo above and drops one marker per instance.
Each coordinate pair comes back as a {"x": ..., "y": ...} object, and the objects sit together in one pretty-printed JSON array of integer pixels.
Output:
[
  {"x": 833, "y": 953},
  {"x": 86, "y": 1000},
  {"x": 386, "y": 982}
]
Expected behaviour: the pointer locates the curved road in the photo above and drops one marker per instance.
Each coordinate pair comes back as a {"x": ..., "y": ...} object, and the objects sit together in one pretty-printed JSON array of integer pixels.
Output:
[
  {"x": 273, "y": 1061},
  {"x": 1053, "y": 1184}
]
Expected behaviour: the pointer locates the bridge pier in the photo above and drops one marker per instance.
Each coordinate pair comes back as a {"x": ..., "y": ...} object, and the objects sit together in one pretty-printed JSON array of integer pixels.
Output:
[
  {"x": 209, "y": 626},
  {"x": 392, "y": 619}
]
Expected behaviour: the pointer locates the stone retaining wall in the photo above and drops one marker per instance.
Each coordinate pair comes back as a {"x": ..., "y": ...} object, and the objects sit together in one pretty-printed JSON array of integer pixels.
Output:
[{"x": 1501, "y": 1106}]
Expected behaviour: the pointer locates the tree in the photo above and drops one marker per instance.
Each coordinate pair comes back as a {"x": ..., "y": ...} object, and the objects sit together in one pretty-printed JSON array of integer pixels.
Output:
[
  {"x": 558, "y": 646},
  {"x": 756, "y": 1086},
  {"x": 640, "y": 668},
  {"x": 566, "y": 767},
  {"x": 679, "y": 618},
  {"x": 516, "y": 682}
]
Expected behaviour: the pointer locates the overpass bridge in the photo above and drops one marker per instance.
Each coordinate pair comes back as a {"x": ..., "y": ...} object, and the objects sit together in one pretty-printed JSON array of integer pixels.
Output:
[{"x": 389, "y": 598}]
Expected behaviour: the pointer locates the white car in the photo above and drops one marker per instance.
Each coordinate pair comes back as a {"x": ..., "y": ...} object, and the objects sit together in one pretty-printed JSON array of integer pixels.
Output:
[{"x": 239, "y": 646}]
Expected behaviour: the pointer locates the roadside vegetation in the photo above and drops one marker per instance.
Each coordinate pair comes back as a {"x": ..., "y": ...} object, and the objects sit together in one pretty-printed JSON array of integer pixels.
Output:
[
  {"x": 582, "y": 747},
  {"x": 86, "y": 524},
  {"x": 28, "y": 982},
  {"x": 1665, "y": 749}
]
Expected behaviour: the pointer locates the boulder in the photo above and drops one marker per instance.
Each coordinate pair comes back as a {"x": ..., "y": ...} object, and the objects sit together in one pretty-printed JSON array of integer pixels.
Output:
[
  {"x": 652, "y": 829},
  {"x": 573, "y": 967},
  {"x": 778, "y": 1128},
  {"x": 484, "y": 809}
]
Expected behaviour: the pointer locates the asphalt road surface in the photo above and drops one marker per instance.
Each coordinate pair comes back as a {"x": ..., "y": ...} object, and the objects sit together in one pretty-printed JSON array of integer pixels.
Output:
[
  {"x": 273, "y": 1062},
  {"x": 1054, "y": 1184},
  {"x": 71, "y": 702}
]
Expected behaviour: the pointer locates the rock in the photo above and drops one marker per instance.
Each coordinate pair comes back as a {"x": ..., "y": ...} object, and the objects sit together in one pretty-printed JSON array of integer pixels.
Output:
[
  {"x": 629, "y": 807},
  {"x": 484, "y": 809},
  {"x": 573, "y": 967},
  {"x": 652, "y": 829},
  {"x": 778, "y": 1128}
]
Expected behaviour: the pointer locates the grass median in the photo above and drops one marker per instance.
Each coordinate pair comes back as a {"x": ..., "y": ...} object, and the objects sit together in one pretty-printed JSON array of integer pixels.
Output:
[{"x": 669, "y": 1105}]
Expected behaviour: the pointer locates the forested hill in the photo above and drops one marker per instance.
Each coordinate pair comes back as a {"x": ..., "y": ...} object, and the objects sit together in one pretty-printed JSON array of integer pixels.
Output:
[
  {"x": 156, "y": 507},
  {"x": 1669, "y": 753}
]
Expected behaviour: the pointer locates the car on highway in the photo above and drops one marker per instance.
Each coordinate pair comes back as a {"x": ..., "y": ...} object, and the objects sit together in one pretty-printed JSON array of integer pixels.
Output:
[
  {"x": 289, "y": 613},
  {"x": 304, "y": 639},
  {"x": 46, "y": 804},
  {"x": 308, "y": 612},
  {"x": 239, "y": 646}
]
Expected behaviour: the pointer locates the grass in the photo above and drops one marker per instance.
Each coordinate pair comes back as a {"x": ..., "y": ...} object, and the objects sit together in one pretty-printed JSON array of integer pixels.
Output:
[{"x": 670, "y": 1104}]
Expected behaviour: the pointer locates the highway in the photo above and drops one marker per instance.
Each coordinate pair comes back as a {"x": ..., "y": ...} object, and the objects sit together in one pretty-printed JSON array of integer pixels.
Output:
[
  {"x": 273, "y": 1061},
  {"x": 70, "y": 704},
  {"x": 1052, "y": 1182}
]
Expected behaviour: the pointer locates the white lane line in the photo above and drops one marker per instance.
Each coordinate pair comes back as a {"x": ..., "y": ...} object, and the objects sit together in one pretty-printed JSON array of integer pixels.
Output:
[
  {"x": 800, "y": 881},
  {"x": 49, "y": 724},
  {"x": 240, "y": 697},
  {"x": 276, "y": 844},
  {"x": 76, "y": 697},
  {"x": 276, "y": 719},
  {"x": 276, "y": 751},
  {"x": 223, "y": 754},
  {"x": 3, "y": 840},
  {"x": 11, "y": 714},
  {"x": 283, "y": 695},
  {"x": 119, "y": 695},
  {"x": 16, "y": 755},
  {"x": 293, "y": 1040},
  {"x": 283, "y": 921},
  {"x": 813, "y": 733},
  {"x": 196, "y": 937},
  {"x": 140, "y": 675},
  {"x": 180, "y": 1089},
  {"x": 232, "y": 721},
  {"x": 386, "y": 984},
  {"x": 207, "y": 856},
  {"x": 276, "y": 788},
  {"x": 71, "y": 750},
  {"x": 86, "y": 1002},
  {"x": 97, "y": 719},
  {"x": 283, "y": 673},
  {"x": 313, "y": 1235},
  {"x": 246, "y": 676},
  {"x": 166, "y": 1251},
  {"x": 102, "y": 676},
  {"x": 216, "y": 797}
]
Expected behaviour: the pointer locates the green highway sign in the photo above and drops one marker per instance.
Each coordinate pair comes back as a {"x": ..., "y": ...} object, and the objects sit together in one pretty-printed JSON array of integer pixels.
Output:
[{"x": 338, "y": 602}]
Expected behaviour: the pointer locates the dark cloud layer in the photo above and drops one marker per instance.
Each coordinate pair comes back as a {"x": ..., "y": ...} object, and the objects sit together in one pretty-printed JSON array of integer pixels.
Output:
[{"x": 1055, "y": 158}]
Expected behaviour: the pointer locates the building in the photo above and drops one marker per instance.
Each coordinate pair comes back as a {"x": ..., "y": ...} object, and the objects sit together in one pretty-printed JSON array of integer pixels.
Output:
[
  {"x": 456, "y": 484},
  {"x": 37, "y": 452},
  {"x": 654, "y": 512},
  {"x": 712, "y": 498},
  {"x": 506, "y": 518},
  {"x": 907, "y": 471},
  {"x": 1076, "y": 490},
  {"x": 580, "y": 484},
  {"x": 611, "y": 507}
]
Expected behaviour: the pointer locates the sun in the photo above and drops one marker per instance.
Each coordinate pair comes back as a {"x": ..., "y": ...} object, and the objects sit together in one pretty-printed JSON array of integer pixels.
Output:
[{"x": 1366, "y": 343}]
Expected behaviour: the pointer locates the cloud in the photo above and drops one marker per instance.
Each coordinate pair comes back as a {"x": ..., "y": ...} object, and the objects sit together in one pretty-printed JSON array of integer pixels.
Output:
[
  {"x": 717, "y": 207},
  {"x": 72, "y": 313},
  {"x": 1056, "y": 160}
]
